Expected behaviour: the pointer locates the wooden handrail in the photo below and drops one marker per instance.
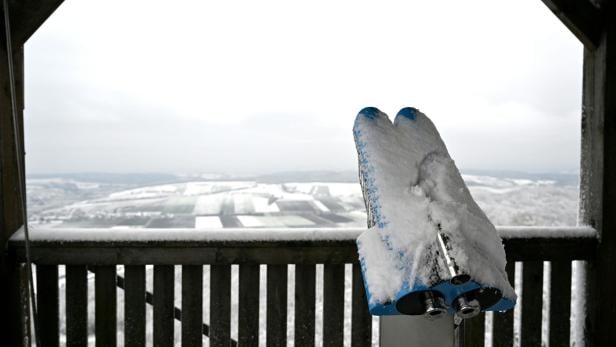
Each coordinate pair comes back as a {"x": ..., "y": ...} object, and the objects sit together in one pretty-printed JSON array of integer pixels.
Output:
[{"x": 262, "y": 246}]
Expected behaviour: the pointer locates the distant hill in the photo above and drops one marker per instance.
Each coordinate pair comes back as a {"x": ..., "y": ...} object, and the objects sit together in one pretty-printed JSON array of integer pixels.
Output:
[
  {"x": 308, "y": 176},
  {"x": 143, "y": 179},
  {"x": 111, "y": 178}
]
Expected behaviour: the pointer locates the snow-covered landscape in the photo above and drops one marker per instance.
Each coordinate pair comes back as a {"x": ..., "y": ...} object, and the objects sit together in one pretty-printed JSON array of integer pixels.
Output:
[{"x": 293, "y": 200}]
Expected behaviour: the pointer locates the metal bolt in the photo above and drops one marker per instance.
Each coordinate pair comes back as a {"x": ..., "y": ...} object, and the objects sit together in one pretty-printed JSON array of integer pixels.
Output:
[
  {"x": 435, "y": 306},
  {"x": 466, "y": 308}
]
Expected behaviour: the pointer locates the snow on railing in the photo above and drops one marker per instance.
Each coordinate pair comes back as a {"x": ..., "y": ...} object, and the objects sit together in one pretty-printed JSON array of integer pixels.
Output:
[{"x": 101, "y": 235}]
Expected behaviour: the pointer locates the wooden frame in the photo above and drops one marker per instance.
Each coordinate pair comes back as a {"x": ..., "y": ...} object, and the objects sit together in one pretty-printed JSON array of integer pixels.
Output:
[
  {"x": 591, "y": 21},
  {"x": 581, "y": 17},
  {"x": 69, "y": 246},
  {"x": 598, "y": 172}
]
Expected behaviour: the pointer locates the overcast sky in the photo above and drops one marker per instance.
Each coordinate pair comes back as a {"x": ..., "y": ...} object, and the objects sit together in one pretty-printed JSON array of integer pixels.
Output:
[{"x": 262, "y": 86}]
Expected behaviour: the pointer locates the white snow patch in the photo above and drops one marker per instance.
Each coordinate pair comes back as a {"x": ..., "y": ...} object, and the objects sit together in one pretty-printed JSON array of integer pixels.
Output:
[
  {"x": 209, "y": 204},
  {"x": 145, "y": 192},
  {"x": 145, "y": 235},
  {"x": 274, "y": 221},
  {"x": 380, "y": 267},
  {"x": 201, "y": 188},
  {"x": 546, "y": 232},
  {"x": 208, "y": 222},
  {"x": 264, "y": 205}
]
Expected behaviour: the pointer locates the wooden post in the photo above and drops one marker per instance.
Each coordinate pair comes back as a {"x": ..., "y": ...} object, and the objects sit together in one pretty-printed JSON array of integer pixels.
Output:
[
  {"x": 10, "y": 216},
  {"x": 598, "y": 172},
  {"x": 26, "y": 16}
]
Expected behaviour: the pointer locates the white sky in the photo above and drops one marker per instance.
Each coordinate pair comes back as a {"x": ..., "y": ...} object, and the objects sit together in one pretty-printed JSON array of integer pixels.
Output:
[{"x": 262, "y": 86}]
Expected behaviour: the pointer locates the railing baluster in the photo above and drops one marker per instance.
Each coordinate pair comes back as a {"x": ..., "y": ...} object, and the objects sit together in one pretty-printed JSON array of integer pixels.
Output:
[
  {"x": 560, "y": 303},
  {"x": 18, "y": 308},
  {"x": 276, "y": 305},
  {"x": 474, "y": 331},
  {"x": 248, "y": 311},
  {"x": 361, "y": 320},
  {"x": 134, "y": 305},
  {"x": 48, "y": 304},
  {"x": 220, "y": 305},
  {"x": 502, "y": 324},
  {"x": 105, "y": 306},
  {"x": 192, "y": 305},
  {"x": 333, "y": 304},
  {"x": 76, "y": 305},
  {"x": 164, "y": 280},
  {"x": 305, "y": 288},
  {"x": 532, "y": 300}
]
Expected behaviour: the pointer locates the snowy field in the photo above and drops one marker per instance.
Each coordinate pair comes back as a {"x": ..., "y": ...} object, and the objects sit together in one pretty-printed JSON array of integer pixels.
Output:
[{"x": 63, "y": 202}]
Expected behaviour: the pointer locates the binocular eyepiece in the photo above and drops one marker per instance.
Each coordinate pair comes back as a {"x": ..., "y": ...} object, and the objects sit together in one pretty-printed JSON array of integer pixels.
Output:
[
  {"x": 471, "y": 303},
  {"x": 435, "y": 306},
  {"x": 466, "y": 308},
  {"x": 429, "y": 303}
]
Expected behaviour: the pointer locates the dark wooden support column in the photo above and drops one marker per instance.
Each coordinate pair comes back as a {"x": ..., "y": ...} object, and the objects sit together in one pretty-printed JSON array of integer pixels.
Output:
[
  {"x": 26, "y": 17},
  {"x": 594, "y": 23},
  {"x": 10, "y": 217},
  {"x": 598, "y": 185}
]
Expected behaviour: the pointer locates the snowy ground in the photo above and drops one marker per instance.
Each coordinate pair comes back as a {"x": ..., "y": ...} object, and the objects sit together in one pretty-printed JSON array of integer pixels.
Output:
[{"x": 211, "y": 204}]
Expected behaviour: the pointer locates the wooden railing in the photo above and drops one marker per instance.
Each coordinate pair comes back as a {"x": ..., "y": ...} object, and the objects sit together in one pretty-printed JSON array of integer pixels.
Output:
[{"x": 100, "y": 250}]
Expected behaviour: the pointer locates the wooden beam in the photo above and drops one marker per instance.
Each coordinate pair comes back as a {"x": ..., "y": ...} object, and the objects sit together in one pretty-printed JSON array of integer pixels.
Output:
[
  {"x": 10, "y": 216},
  {"x": 158, "y": 246},
  {"x": 28, "y": 15},
  {"x": 581, "y": 17},
  {"x": 598, "y": 190}
]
